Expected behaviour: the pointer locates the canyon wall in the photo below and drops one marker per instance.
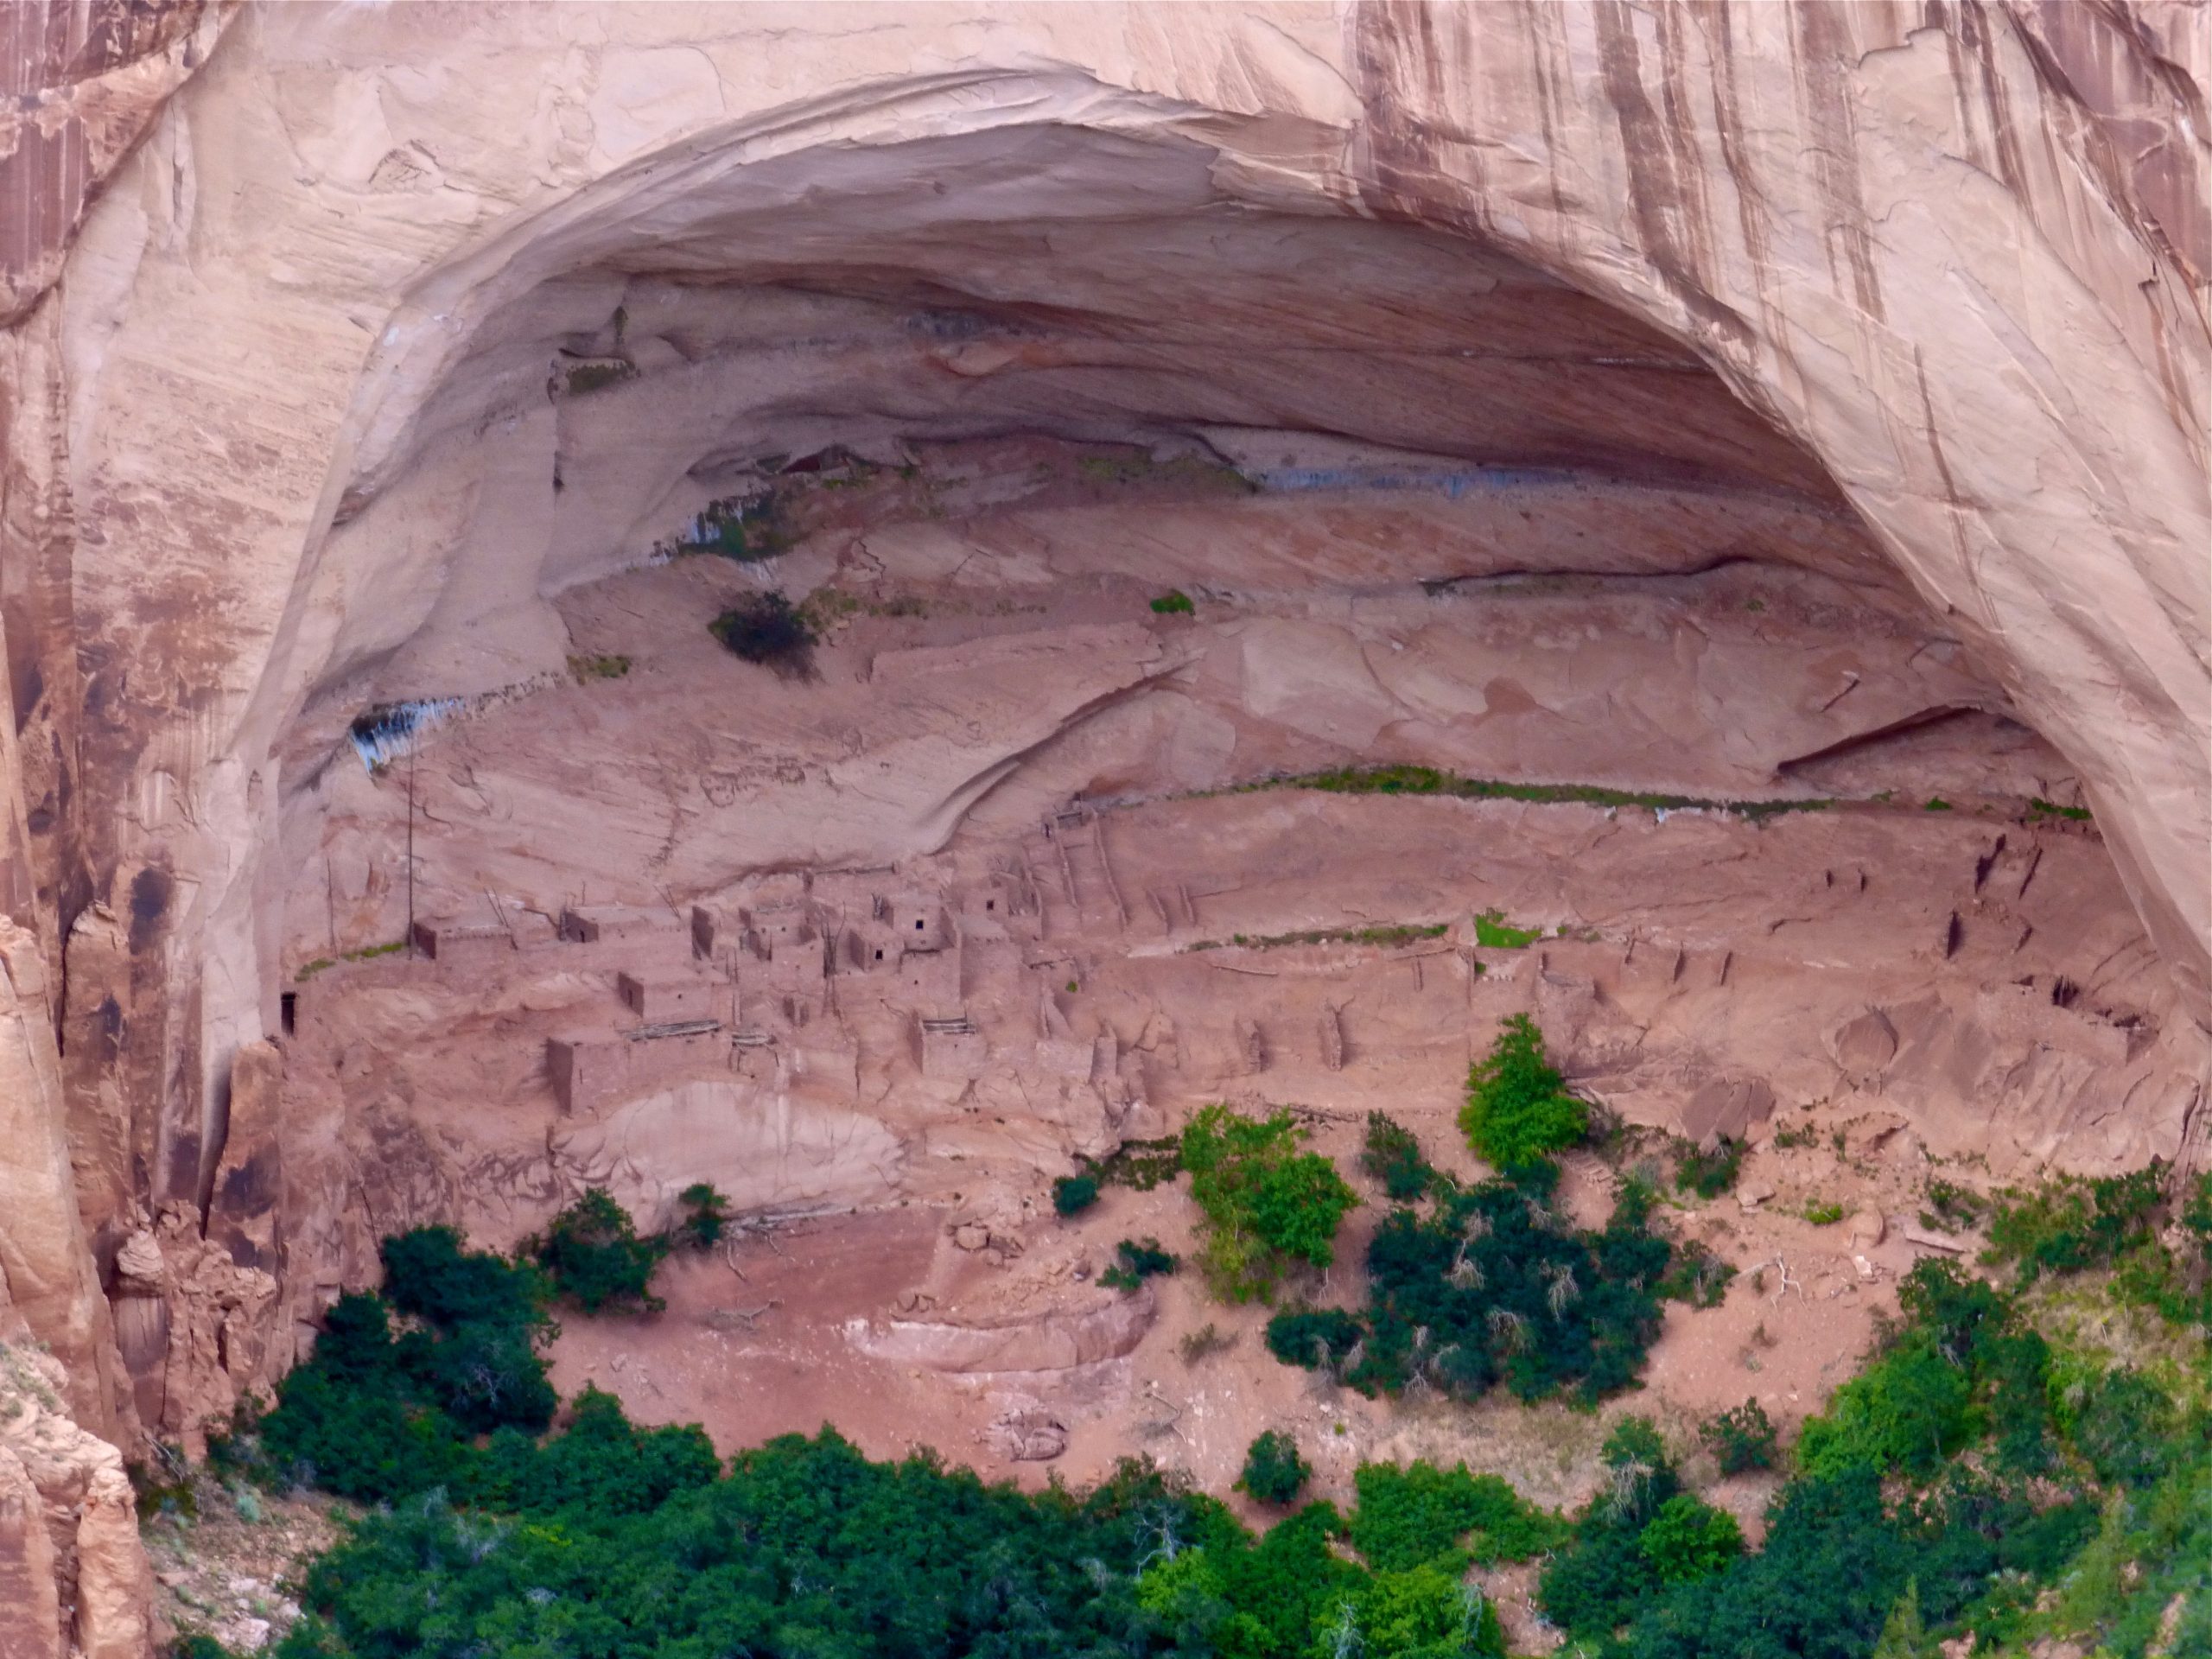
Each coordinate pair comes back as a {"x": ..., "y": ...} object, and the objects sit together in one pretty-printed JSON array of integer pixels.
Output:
[{"x": 287, "y": 433}]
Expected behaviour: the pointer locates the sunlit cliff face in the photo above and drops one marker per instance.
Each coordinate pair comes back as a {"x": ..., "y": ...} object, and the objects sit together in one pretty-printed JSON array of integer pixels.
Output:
[{"x": 1505, "y": 388}]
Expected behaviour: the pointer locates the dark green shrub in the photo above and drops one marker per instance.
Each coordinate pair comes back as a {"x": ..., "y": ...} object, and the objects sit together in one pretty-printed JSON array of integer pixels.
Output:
[
  {"x": 2068, "y": 1224},
  {"x": 1267, "y": 1206},
  {"x": 1518, "y": 1110},
  {"x": 2123, "y": 1428},
  {"x": 1740, "y": 1439},
  {"x": 429, "y": 1273},
  {"x": 1422, "y": 1513},
  {"x": 1597, "y": 1583},
  {"x": 1073, "y": 1194},
  {"x": 706, "y": 1217},
  {"x": 1708, "y": 1174},
  {"x": 767, "y": 629},
  {"x": 1906, "y": 1413},
  {"x": 1174, "y": 602},
  {"x": 1951, "y": 1208},
  {"x": 1688, "y": 1540},
  {"x": 1392, "y": 1156},
  {"x": 592, "y": 1253},
  {"x": 1494, "y": 1285},
  {"x": 374, "y": 1417},
  {"x": 600, "y": 1465},
  {"x": 1821, "y": 1588},
  {"x": 1313, "y": 1338},
  {"x": 1274, "y": 1472},
  {"x": 1138, "y": 1262}
]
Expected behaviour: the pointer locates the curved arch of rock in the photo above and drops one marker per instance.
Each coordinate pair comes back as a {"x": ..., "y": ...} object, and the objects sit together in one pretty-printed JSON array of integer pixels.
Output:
[{"x": 1918, "y": 307}]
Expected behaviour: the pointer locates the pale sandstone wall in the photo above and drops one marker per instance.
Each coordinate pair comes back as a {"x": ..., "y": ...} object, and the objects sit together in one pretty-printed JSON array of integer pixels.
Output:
[{"x": 1960, "y": 261}]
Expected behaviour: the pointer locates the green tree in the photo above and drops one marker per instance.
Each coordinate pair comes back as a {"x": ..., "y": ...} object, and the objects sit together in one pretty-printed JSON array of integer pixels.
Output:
[
  {"x": 1905, "y": 1637},
  {"x": 706, "y": 1216},
  {"x": 1073, "y": 1194},
  {"x": 1267, "y": 1206},
  {"x": 592, "y": 1253},
  {"x": 1690, "y": 1539},
  {"x": 1740, "y": 1439},
  {"x": 1518, "y": 1110},
  {"x": 1274, "y": 1472}
]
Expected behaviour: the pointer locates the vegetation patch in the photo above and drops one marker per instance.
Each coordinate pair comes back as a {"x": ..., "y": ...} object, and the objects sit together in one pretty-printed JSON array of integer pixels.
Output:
[
  {"x": 593, "y": 1256},
  {"x": 587, "y": 668},
  {"x": 1390, "y": 937},
  {"x": 1708, "y": 1173},
  {"x": 2041, "y": 1494},
  {"x": 767, "y": 630},
  {"x": 1138, "y": 1164},
  {"x": 1494, "y": 933},
  {"x": 1518, "y": 1111},
  {"x": 1174, "y": 602},
  {"x": 1495, "y": 1286},
  {"x": 1269, "y": 1208},
  {"x": 1135, "y": 1262},
  {"x": 1428, "y": 780},
  {"x": 1274, "y": 1472},
  {"x": 1391, "y": 1155},
  {"x": 1073, "y": 1194},
  {"x": 1422, "y": 1514},
  {"x": 1740, "y": 1439},
  {"x": 2039, "y": 808},
  {"x": 746, "y": 529}
]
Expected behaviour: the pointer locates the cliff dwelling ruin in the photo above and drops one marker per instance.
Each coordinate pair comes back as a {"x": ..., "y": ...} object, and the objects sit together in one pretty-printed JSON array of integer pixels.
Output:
[{"x": 1300, "y": 555}]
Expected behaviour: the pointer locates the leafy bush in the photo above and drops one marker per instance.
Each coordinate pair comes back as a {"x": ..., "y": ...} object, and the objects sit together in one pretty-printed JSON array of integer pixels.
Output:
[
  {"x": 1833, "y": 1566},
  {"x": 1596, "y": 1584},
  {"x": 1518, "y": 1110},
  {"x": 1689, "y": 1540},
  {"x": 2123, "y": 1427},
  {"x": 1392, "y": 1156},
  {"x": 1274, "y": 1472},
  {"x": 1138, "y": 1262},
  {"x": 372, "y": 1416},
  {"x": 1267, "y": 1206},
  {"x": 1708, "y": 1174},
  {"x": 1422, "y": 1513},
  {"x": 1174, "y": 602},
  {"x": 1907, "y": 1412},
  {"x": 1494, "y": 1285},
  {"x": 2070, "y": 1223},
  {"x": 593, "y": 1255},
  {"x": 1740, "y": 1439},
  {"x": 1314, "y": 1338},
  {"x": 769, "y": 630},
  {"x": 1073, "y": 1194},
  {"x": 706, "y": 1217}
]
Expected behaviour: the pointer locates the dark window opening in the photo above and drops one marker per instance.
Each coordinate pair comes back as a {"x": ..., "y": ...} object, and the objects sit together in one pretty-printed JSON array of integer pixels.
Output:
[
  {"x": 879, "y": 955},
  {"x": 990, "y": 904},
  {"x": 918, "y": 925},
  {"x": 288, "y": 1011}
]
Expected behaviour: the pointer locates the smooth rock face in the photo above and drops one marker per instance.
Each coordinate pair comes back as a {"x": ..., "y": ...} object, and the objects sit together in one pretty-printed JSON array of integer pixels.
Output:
[{"x": 400, "y": 324}]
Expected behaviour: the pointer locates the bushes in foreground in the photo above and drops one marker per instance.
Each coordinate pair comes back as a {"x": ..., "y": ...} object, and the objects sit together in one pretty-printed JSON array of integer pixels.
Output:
[
  {"x": 1268, "y": 1207},
  {"x": 1494, "y": 1285}
]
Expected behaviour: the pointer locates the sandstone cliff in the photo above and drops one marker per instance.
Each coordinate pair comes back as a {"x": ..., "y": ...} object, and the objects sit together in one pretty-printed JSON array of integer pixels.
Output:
[{"x": 397, "y": 323}]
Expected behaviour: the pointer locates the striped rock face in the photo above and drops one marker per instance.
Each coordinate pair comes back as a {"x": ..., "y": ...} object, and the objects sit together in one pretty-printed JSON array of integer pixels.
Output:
[{"x": 1750, "y": 403}]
